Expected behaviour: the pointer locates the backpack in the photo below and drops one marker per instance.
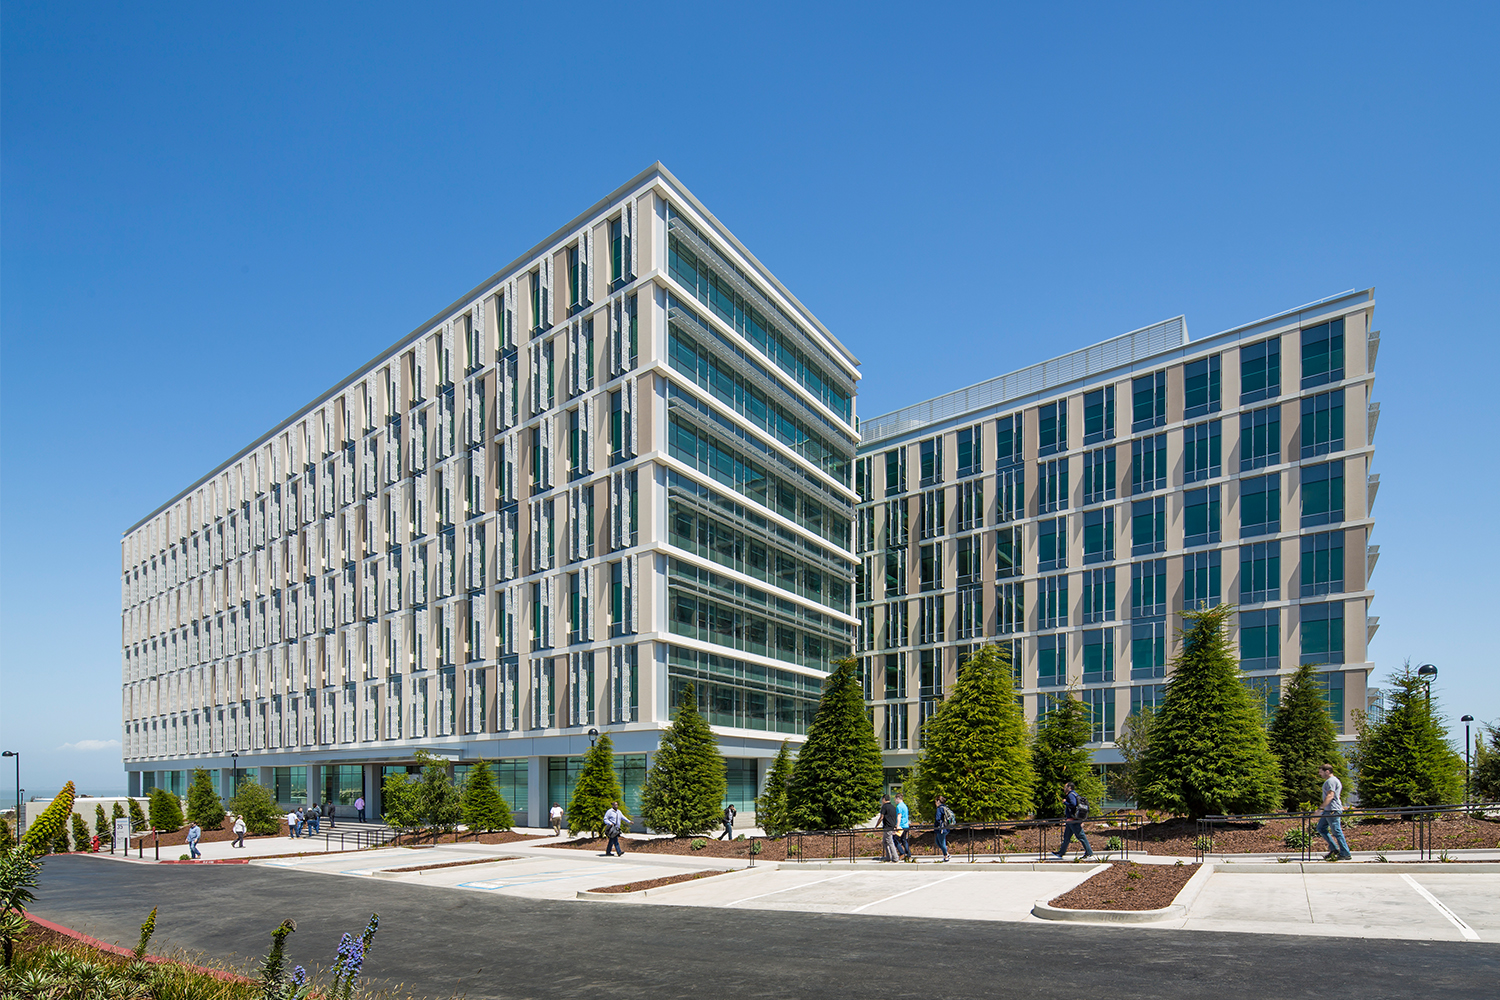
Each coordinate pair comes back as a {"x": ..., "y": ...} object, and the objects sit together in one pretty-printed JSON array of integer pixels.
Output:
[
  {"x": 946, "y": 817},
  {"x": 1082, "y": 810}
]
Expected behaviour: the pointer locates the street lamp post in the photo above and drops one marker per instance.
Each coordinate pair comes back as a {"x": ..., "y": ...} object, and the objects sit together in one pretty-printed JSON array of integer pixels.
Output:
[
  {"x": 234, "y": 774},
  {"x": 17, "y": 756},
  {"x": 593, "y": 735},
  {"x": 1466, "y": 720},
  {"x": 1429, "y": 672}
]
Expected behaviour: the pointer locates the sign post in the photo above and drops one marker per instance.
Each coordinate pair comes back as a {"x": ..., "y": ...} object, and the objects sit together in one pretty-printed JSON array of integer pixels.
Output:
[{"x": 122, "y": 835}]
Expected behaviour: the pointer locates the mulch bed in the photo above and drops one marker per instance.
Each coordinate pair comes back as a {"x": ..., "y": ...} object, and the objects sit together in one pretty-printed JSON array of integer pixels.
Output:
[
  {"x": 1176, "y": 836},
  {"x": 449, "y": 864},
  {"x": 652, "y": 883},
  {"x": 460, "y": 837},
  {"x": 1128, "y": 886}
]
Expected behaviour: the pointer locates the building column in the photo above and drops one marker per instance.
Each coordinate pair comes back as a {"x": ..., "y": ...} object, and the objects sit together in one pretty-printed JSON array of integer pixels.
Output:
[
  {"x": 538, "y": 809},
  {"x": 372, "y": 792},
  {"x": 314, "y": 783},
  {"x": 266, "y": 777}
]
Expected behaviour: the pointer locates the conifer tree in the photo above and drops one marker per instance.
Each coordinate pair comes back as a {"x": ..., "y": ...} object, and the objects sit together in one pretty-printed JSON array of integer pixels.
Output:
[
  {"x": 1404, "y": 758},
  {"x": 974, "y": 748},
  {"x": 597, "y": 788},
  {"x": 41, "y": 837},
  {"x": 837, "y": 778},
  {"x": 81, "y": 839},
  {"x": 60, "y": 843},
  {"x": 166, "y": 810},
  {"x": 1484, "y": 782},
  {"x": 7, "y": 835},
  {"x": 101, "y": 825},
  {"x": 137, "y": 816},
  {"x": 203, "y": 804},
  {"x": 771, "y": 808},
  {"x": 1303, "y": 738},
  {"x": 1208, "y": 752},
  {"x": 684, "y": 791},
  {"x": 484, "y": 808},
  {"x": 1058, "y": 756}
]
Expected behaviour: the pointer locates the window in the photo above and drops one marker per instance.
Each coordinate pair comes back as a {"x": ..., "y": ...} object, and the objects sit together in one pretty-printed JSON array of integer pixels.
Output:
[
  {"x": 1260, "y": 371},
  {"x": 1149, "y": 402},
  {"x": 968, "y": 451},
  {"x": 933, "y": 513},
  {"x": 971, "y": 505},
  {"x": 895, "y": 472},
  {"x": 575, "y": 280},
  {"x": 1202, "y": 445},
  {"x": 618, "y": 429},
  {"x": 575, "y": 445},
  {"x": 1008, "y": 552},
  {"x": 1260, "y": 572},
  {"x": 895, "y": 572},
  {"x": 1323, "y": 633},
  {"x": 896, "y": 717},
  {"x": 1260, "y": 438},
  {"x": 1200, "y": 516},
  {"x": 1099, "y": 535},
  {"x": 1098, "y": 656},
  {"x": 1052, "y": 602},
  {"x": 1010, "y": 601},
  {"x": 895, "y": 676},
  {"x": 897, "y": 530},
  {"x": 1148, "y": 526},
  {"x": 930, "y": 675},
  {"x": 1323, "y": 423},
  {"x": 1052, "y": 544},
  {"x": 1100, "y": 705},
  {"x": 1266, "y": 692},
  {"x": 1323, "y": 354},
  {"x": 1099, "y": 415},
  {"x": 1053, "y": 480},
  {"x": 864, "y": 483},
  {"x": 618, "y": 253},
  {"x": 1331, "y": 686},
  {"x": 968, "y": 559},
  {"x": 1322, "y": 494},
  {"x": 1146, "y": 696},
  {"x": 1008, "y": 440},
  {"x": 1010, "y": 500},
  {"x": 1260, "y": 640},
  {"x": 1200, "y": 387},
  {"x": 970, "y": 612},
  {"x": 1260, "y": 505},
  {"x": 1098, "y": 595},
  {"x": 1148, "y": 467},
  {"x": 1099, "y": 475},
  {"x": 896, "y": 624},
  {"x": 1052, "y": 428},
  {"x": 538, "y": 304},
  {"x": 931, "y": 624},
  {"x": 1148, "y": 589},
  {"x": 1201, "y": 577},
  {"x": 1148, "y": 650},
  {"x": 931, "y": 557},
  {"x": 1323, "y": 564},
  {"x": 1052, "y": 660},
  {"x": 930, "y": 453}
]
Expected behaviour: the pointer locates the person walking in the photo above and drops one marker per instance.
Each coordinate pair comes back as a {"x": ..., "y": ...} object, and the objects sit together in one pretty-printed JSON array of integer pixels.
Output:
[
  {"x": 239, "y": 832},
  {"x": 314, "y": 818},
  {"x": 556, "y": 817},
  {"x": 1073, "y": 814},
  {"x": 942, "y": 822},
  {"x": 1331, "y": 819},
  {"x": 359, "y": 804},
  {"x": 888, "y": 819},
  {"x": 903, "y": 829},
  {"x": 328, "y": 813},
  {"x": 614, "y": 825},
  {"x": 291, "y": 824},
  {"x": 302, "y": 821},
  {"x": 194, "y": 832},
  {"x": 729, "y": 814}
]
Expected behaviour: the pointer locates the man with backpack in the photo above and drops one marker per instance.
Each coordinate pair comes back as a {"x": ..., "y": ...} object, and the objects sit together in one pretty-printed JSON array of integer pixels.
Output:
[
  {"x": 943, "y": 821},
  {"x": 887, "y": 820},
  {"x": 614, "y": 823},
  {"x": 1075, "y": 811}
]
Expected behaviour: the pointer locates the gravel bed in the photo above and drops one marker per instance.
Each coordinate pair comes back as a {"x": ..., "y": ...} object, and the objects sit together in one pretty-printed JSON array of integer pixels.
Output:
[
  {"x": 1128, "y": 886},
  {"x": 652, "y": 883}
]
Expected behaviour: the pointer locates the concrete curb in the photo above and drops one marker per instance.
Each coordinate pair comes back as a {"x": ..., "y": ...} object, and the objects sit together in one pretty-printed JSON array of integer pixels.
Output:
[
  {"x": 1356, "y": 868},
  {"x": 1176, "y": 911},
  {"x": 875, "y": 865},
  {"x": 392, "y": 873},
  {"x": 664, "y": 889}
]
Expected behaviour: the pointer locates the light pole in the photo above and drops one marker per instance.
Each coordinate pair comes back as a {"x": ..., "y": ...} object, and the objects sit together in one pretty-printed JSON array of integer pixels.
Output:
[
  {"x": 1428, "y": 671},
  {"x": 234, "y": 775},
  {"x": 17, "y": 756},
  {"x": 1466, "y": 720},
  {"x": 593, "y": 735}
]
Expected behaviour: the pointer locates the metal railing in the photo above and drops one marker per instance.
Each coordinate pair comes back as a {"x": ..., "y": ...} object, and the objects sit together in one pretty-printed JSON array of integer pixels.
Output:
[
  {"x": 973, "y": 840},
  {"x": 358, "y": 838},
  {"x": 1418, "y": 818}
]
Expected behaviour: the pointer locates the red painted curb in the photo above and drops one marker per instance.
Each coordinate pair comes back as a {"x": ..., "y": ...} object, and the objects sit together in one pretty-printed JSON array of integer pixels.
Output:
[
  {"x": 209, "y": 861},
  {"x": 114, "y": 949}
]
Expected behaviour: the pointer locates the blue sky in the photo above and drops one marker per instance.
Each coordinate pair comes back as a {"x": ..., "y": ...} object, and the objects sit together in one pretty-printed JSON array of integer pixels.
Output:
[{"x": 212, "y": 214}]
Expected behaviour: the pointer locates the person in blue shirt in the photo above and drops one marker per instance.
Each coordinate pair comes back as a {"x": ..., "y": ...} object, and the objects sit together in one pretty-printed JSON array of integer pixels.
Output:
[
  {"x": 903, "y": 829},
  {"x": 1072, "y": 825},
  {"x": 193, "y": 835}
]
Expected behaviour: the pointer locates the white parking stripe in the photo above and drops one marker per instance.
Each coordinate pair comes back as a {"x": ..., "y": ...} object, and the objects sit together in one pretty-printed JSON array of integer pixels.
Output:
[
  {"x": 925, "y": 885},
  {"x": 1463, "y": 928},
  {"x": 831, "y": 878}
]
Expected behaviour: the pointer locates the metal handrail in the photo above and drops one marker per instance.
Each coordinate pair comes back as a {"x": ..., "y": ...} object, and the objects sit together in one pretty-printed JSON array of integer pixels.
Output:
[
  {"x": 1420, "y": 818},
  {"x": 972, "y": 838}
]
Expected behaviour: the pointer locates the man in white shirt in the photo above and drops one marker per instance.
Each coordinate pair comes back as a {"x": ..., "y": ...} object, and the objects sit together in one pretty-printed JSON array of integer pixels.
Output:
[
  {"x": 1330, "y": 823},
  {"x": 614, "y": 825},
  {"x": 556, "y": 816}
]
